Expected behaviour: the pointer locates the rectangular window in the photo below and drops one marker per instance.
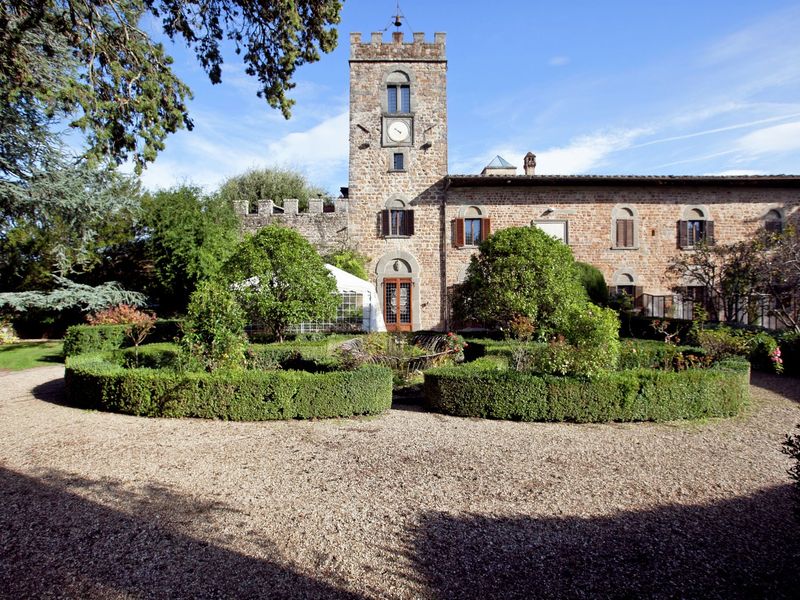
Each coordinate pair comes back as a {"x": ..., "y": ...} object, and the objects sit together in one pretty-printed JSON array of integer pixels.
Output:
[
  {"x": 555, "y": 229},
  {"x": 397, "y": 222},
  {"x": 398, "y": 162},
  {"x": 695, "y": 232},
  {"x": 472, "y": 232},
  {"x": 405, "y": 99},
  {"x": 398, "y": 99}
]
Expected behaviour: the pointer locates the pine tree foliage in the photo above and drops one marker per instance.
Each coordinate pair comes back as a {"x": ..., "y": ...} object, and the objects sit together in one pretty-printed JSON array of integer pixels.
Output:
[{"x": 72, "y": 295}]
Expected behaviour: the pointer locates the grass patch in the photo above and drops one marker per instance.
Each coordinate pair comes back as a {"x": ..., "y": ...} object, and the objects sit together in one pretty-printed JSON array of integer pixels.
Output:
[{"x": 27, "y": 355}]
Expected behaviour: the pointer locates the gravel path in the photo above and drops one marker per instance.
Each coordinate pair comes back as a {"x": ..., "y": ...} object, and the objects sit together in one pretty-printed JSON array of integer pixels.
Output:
[{"x": 405, "y": 505}]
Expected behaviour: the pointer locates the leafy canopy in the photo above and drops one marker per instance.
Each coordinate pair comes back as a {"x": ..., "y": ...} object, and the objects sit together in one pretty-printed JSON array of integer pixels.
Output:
[
  {"x": 92, "y": 64},
  {"x": 280, "y": 280},
  {"x": 521, "y": 272},
  {"x": 269, "y": 184},
  {"x": 188, "y": 236}
]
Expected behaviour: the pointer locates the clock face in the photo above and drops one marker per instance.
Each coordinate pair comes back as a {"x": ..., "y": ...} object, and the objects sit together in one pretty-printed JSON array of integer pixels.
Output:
[{"x": 398, "y": 131}]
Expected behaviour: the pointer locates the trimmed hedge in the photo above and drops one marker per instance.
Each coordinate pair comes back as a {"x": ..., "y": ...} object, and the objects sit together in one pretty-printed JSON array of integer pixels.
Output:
[
  {"x": 84, "y": 339},
  {"x": 635, "y": 395},
  {"x": 93, "y": 381}
]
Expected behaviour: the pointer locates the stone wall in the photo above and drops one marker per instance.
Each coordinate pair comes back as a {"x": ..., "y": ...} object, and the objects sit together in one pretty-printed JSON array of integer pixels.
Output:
[
  {"x": 327, "y": 231},
  {"x": 737, "y": 214}
]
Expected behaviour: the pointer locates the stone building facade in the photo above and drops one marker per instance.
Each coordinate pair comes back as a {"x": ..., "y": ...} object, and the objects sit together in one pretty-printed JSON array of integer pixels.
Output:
[{"x": 420, "y": 226}]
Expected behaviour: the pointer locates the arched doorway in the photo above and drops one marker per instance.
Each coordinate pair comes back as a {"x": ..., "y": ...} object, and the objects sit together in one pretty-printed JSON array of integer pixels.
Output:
[{"x": 398, "y": 285}]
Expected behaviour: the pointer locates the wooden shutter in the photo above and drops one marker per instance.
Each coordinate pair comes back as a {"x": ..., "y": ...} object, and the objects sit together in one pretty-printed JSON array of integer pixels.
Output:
[
  {"x": 408, "y": 223},
  {"x": 629, "y": 243},
  {"x": 385, "y": 222},
  {"x": 459, "y": 224},
  {"x": 709, "y": 235},
  {"x": 486, "y": 228},
  {"x": 683, "y": 234}
]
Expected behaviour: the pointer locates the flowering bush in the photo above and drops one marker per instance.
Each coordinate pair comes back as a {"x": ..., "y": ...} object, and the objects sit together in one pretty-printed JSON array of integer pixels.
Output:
[
  {"x": 455, "y": 343},
  {"x": 122, "y": 314},
  {"x": 777, "y": 361}
]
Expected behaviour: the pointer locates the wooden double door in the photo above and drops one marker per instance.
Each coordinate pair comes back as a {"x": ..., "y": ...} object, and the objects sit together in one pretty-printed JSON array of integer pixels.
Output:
[{"x": 397, "y": 304}]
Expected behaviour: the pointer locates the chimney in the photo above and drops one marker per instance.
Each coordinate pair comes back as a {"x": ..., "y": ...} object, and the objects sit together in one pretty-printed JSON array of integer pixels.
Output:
[{"x": 529, "y": 164}]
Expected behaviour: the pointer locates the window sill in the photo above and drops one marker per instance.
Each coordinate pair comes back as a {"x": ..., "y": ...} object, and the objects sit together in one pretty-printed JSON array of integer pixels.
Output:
[
  {"x": 397, "y": 171},
  {"x": 397, "y": 237},
  {"x": 624, "y": 247}
]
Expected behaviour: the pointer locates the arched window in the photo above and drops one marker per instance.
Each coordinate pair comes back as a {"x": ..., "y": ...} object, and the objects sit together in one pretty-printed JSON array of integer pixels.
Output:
[
  {"x": 695, "y": 227},
  {"x": 398, "y": 93},
  {"x": 625, "y": 281},
  {"x": 625, "y": 227},
  {"x": 773, "y": 222},
  {"x": 397, "y": 219},
  {"x": 472, "y": 226}
]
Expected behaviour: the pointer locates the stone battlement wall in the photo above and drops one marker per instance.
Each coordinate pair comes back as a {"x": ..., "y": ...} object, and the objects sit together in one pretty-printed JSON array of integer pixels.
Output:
[{"x": 327, "y": 231}]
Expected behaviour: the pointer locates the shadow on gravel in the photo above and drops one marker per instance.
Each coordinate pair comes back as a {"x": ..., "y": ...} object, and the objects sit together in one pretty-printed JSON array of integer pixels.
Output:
[
  {"x": 52, "y": 391},
  {"x": 788, "y": 387},
  {"x": 743, "y": 548},
  {"x": 54, "y": 543}
]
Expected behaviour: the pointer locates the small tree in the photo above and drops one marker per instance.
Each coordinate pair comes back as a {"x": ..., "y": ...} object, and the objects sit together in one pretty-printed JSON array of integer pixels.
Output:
[
  {"x": 213, "y": 330},
  {"x": 593, "y": 282},
  {"x": 778, "y": 274},
  {"x": 521, "y": 271},
  {"x": 280, "y": 280}
]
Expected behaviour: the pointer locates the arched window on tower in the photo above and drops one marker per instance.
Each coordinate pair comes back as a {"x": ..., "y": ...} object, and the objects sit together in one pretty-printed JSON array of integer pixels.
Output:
[{"x": 398, "y": 93}]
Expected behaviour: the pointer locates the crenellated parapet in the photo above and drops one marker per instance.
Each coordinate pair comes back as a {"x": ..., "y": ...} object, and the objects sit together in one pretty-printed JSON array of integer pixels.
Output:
[
  {"x": 324, "y": 226},
  {"x": 376, "y": 49}
]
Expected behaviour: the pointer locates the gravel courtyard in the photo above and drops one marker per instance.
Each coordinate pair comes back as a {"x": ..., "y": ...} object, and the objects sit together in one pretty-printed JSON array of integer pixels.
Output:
[{"x": 405, "y": 505}]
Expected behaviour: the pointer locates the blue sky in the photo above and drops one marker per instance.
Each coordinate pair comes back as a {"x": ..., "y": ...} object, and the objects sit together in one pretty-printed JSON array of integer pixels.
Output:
[{"x": 673, "y": 87}]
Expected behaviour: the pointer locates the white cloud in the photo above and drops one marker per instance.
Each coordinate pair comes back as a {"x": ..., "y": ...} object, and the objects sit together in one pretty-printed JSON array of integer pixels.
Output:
[
  {"x": 585, "y": 153},
  {"x": 209, "y": 157},
  {"x": 558, "y": 61},
  {"x": 779, "y": 138}
]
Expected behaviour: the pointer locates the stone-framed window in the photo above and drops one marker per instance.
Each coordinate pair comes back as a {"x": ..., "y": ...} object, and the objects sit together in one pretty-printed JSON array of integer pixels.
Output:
[
  {"x": 625, "y": 227},
  {"x": 398, "y": 93},
  {"x": 774, "y": 221},
  {"x": 555, "y": 228},
  {"x": 694, "y": 227},
  {"x": 471, "y": 227},
  {"x": 626, "y": 281},
  {"x": 398, "y": 160},
  {"x": 397, "y": 219}
]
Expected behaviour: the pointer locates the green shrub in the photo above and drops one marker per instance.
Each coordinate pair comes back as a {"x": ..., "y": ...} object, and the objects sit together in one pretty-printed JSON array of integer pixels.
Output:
[
  {"x": 482, "y": 390},
  {"x": 650, "y": 354},
  {"x": 593, "y": 282},
  {"x": 722, "y": 342},
  {"x": 95, "y": 381},
  {"x": 213, "y": 335},
  {"x": 83, "y": 339},
  {"x": 521, "y": 271}
]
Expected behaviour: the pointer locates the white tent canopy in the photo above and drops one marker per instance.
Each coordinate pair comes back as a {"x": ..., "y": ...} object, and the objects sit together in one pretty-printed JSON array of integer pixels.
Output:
[{"x": 347, "y": 283}]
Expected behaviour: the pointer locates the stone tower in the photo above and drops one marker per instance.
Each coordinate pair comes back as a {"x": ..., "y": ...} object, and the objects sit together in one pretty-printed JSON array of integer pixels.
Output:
[{"x": 398, "y": 160}]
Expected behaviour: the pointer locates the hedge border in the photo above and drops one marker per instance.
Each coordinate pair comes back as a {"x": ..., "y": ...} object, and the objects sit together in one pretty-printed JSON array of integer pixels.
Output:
[
  {"x": 483, "y": 390},
  {"x": 94, "y": 382},
  {"x": 86, "y": 339}
]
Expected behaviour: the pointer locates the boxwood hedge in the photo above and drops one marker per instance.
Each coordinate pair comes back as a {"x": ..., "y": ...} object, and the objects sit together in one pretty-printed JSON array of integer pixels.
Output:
[
  {"x": 485, "y": 389},
  {"x": 83, "y": 339},
  {"x": 97, "y": 381}
]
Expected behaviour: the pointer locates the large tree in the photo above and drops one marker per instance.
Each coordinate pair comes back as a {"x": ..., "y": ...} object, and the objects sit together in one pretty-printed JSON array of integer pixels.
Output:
[
  {"x": 269, "y": 184},
  {"x": 92, "y": 64},
  {"x": 187, "y": 236}
]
